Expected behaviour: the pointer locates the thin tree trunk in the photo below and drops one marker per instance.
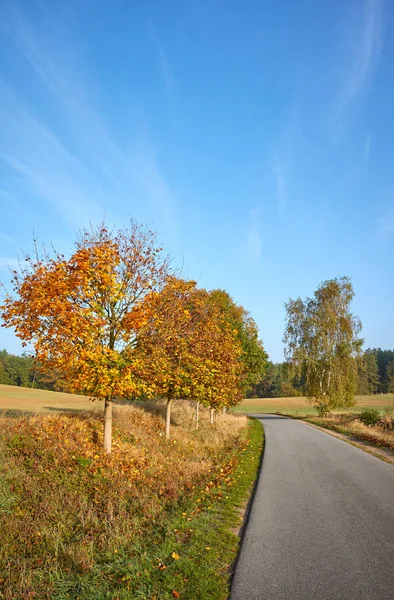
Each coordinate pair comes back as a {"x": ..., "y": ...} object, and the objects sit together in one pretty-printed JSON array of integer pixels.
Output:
[
  {"x": 108, "y": 425},
  {"x": 211, "y": 415},
  {"x": 197, "y": 413},
  {"x": 223, "y": 410},
  {"x": 168, "y": 418}
]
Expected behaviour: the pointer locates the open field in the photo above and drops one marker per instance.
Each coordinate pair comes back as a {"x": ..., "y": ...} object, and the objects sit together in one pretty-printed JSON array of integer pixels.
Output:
[
  {"x": 14, "y": 399},
  {"x": 301, "y": 406}
]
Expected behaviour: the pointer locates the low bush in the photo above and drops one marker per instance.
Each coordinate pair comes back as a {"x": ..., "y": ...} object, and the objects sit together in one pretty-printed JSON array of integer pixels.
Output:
[{"x": 369, "y": 416}]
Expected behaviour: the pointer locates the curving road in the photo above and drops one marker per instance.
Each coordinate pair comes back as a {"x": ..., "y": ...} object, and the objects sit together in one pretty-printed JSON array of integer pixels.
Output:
[{"x": 321, "y": 526}]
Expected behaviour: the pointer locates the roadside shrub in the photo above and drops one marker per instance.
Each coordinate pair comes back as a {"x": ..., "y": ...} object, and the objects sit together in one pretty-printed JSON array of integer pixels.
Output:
[
  {"x": 346, "y": 418},
  {"x": 369, "y": 416},
  {"x": 387, "y": 421}
]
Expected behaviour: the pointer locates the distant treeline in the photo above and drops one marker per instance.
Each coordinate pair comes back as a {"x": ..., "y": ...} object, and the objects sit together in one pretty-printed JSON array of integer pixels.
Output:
[
  {"x": 20, "y": 370},
  {"x": 375, "y": 376}
]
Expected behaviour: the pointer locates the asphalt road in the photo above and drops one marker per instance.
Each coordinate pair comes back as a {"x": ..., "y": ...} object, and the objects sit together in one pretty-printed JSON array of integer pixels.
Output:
[{"x": 321, "y": 526}]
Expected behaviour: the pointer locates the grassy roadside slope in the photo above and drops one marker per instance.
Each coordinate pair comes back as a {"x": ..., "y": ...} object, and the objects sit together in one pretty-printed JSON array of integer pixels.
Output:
[
  {"x": 352, "y": 427},
  {"x": 151, "y": 522}
]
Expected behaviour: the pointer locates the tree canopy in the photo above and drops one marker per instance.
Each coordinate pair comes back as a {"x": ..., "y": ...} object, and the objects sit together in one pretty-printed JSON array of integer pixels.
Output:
[
  {"x": 187, "y": 349},
  {"x": 111, "y": 322},
  {"x": 321, "y": 337},
  {"x": 253, "y": 355},
  {"x": 80, "y": 313}
]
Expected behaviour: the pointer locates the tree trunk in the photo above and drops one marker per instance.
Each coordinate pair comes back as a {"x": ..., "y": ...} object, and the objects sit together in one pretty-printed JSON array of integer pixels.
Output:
[
  {"x": 223, "y": 410},
  {"x": 108, "y": 425},
  {"x": 197, "y": 413},
  {"x": 168, "y": 418},
  {"x": 211, "y": 415}
]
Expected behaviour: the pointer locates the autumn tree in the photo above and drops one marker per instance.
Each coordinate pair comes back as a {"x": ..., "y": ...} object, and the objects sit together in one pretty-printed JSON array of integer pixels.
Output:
[
  {"x": 253, "y": 355},
  {"x": 164, "y": 347},
  {"x": 217, "y": 369},
  {"x": 321, "y": 336},
  {"x": 186, "y": 349},
  {"x": 80, "y": 313}
]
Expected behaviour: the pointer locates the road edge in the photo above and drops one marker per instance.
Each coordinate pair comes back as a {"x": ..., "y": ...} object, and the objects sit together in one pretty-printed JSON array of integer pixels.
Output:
[
  {"x": 379, "y": 453},
  {"x": 248, "y": 508}
]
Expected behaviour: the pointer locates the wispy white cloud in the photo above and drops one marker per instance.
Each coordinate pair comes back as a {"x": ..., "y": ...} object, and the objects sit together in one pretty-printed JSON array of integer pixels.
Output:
[
  {"x": 47, "y": 169},
  {"x": 47, "y": 50},
  {"x": 254, "y": 241},
  {"x": 365, "y": 51},
  {"x": 165, "y": 70},
  {"x": 72, "y": 161},
  {"x": 149, "y": 178}
]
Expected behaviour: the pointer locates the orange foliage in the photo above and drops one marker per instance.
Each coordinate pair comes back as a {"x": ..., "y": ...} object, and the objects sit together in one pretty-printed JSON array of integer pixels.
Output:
[
  {"x": 187, "y": 348},
  {"x": 81, "y": 314}
]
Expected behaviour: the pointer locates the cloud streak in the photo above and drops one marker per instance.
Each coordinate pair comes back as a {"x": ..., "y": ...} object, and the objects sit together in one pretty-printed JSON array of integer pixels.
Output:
[
  {"x": 366, "y": 50},
  {"x": 71, "y": 160},
  {"x": 165, "y": 71}
]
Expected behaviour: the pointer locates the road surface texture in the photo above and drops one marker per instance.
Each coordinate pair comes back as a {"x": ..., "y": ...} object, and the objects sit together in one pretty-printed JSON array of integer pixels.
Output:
[{"x": 321, "y": 526}]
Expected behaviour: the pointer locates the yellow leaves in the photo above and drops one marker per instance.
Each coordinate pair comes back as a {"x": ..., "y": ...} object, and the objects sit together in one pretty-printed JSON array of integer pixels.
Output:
[{"x": 175, "y": 556}]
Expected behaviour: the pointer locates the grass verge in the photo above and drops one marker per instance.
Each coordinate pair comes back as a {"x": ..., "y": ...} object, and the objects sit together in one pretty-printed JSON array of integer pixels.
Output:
[
  {"x": 350, "y": 426},
  {"x": 151, "y": 522}
]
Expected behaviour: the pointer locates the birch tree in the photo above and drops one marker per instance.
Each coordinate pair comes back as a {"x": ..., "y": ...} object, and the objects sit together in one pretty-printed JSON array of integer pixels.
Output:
[{"x": 321, "y": 336}]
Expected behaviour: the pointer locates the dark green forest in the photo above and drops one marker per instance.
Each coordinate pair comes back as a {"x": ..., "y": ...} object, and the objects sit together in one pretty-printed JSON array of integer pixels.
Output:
[
  {"x": 375, "y": 376},
  {"x": 21, "y": 370}
]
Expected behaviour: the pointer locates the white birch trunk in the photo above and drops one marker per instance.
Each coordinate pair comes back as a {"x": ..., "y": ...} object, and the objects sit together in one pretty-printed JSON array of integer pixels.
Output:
[
  {"x": 168, "y": 418},
  {"x": 107, "y": 425}
]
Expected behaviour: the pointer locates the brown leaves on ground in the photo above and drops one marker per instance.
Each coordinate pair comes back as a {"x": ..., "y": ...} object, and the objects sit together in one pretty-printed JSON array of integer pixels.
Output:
[{"x": 70, "y": 506}]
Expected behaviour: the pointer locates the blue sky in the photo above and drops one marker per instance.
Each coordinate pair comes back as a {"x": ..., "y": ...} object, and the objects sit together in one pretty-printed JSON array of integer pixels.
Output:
[{"x": 255, "y": 136}]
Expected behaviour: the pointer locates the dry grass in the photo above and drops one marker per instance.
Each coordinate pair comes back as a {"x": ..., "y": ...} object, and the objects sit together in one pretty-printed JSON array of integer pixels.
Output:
[
  {"x": 67, "y": 511},
  {"x": 380, "y": 435},
  {"x": 301, "y": 406}
]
